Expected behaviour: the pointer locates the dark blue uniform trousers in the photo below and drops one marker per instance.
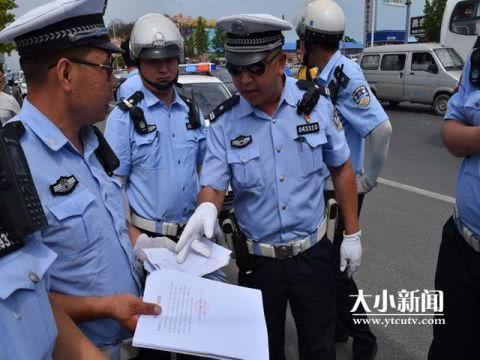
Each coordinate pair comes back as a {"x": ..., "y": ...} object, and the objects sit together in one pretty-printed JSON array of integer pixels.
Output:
[{"x": 307, "y": 283}]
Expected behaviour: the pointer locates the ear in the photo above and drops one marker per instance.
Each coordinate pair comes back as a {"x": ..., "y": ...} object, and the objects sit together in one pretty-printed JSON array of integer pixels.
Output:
[
  {"x": 282, "y": 61},
  {"x": 64, "y": 74}
]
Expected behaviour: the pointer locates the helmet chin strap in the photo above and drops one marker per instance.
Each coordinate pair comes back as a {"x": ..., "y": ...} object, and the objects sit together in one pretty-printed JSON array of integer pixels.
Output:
[{"x": 162, "y": 86}]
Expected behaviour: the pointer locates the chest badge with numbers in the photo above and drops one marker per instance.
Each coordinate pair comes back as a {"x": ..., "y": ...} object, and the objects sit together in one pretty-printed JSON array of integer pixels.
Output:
[
  {"x": 241, "y": 141},
  {"x": 64, "y": 185},
  {"x": 7, "y": 243},
  {"x": 306, "y": 129}
]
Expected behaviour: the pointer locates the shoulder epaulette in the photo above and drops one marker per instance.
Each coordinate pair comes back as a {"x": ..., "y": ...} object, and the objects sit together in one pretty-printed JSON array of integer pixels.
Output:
[
  {"x": 15, "y": 126},
  {"x": 223, "y": 107},
  {"x": 133, "y": 100},
  {"x": 306, "y": 85},
  {"x": 341, "y": 78},
  {"x": 136, "y": 113},
  {"x": 104, "y": 153},
  {"x": 310, "y": 99},
  {"x": 194, "y": 121}
]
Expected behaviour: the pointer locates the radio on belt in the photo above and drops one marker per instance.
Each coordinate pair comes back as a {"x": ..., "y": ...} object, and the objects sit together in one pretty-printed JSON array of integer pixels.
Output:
[{"x": 22, "y": 212}]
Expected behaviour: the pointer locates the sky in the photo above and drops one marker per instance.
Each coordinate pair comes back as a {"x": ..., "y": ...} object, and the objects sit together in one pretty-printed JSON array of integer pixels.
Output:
[{"x": 389, "y": 17}]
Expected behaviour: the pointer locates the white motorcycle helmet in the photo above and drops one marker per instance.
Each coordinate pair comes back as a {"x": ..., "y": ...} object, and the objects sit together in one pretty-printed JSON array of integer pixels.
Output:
[
  {"x": 321, "y": 21},
  {"x": 154, "y": 36}
]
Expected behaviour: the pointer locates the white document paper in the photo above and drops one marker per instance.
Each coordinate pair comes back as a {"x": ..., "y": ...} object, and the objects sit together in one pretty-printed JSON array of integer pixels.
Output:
[
  {"x": 195, "y": 264},
  {"x": 203, "y": 317}
]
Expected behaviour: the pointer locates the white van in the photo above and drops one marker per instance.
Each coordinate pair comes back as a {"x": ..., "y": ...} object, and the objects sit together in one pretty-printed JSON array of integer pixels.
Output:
[{"x": 425, "y": 73}]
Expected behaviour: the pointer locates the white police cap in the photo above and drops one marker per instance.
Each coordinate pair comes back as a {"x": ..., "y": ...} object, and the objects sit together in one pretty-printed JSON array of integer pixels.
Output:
[
  {"x": 250, "y": 37},
  {"x": 60, "y": 24}
]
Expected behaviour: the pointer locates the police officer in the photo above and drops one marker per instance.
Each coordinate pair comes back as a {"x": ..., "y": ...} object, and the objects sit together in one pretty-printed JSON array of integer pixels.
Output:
[
  {"x": 158, "y": 162},
  {"x": 65, "y": 53},
  {"x": 458, "y": 266},
  {"x": 159, "y": 152},
  {"x": 321, "y": 27},
  {"x": 8, "y": 104},
  {"x": 272, "y": 152},
  {"x": 35, "y": 332},
  {"x": 133, "y": 82},
  {"x": 28, "y": 323}
]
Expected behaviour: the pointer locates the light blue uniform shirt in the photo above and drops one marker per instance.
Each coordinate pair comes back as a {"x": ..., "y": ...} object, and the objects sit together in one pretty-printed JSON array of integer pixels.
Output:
[
  {"x": 464, "y": 106},
  {"x": 132, "y": 84},
  {"x": 87, "y": 227},
  {"x": 277, "y": 178},
  {"x": 359, "y": 110},
  {"x": 27, "y": 326},
  {"x": 160, "y": 167}
]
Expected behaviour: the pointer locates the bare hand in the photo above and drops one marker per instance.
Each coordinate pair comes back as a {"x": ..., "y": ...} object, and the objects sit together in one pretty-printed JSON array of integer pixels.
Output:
[{"x": 127, "y": 308}]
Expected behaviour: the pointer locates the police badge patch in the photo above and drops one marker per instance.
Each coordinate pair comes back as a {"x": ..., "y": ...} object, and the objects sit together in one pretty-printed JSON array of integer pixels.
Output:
[
  {"x": 241, "y": 141},
  {"x": 361, "y": 96},
  {"x": 64, "y": 185}
]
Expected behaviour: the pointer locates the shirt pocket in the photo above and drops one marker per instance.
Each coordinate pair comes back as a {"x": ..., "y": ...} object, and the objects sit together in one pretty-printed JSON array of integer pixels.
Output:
[
  {"x": 186, "y": 148},
  {"x": 310, "y": 156},
  {"x": 76, "y": 221},
  {"x": 146, "y": 152},
  {"x": 246, "y": 167}
]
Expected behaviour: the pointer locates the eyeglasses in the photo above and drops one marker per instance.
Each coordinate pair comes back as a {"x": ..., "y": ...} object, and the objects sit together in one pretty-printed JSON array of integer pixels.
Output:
[
  {"x": 108, "y": 68},
  {"x": 257, "y": 68}
]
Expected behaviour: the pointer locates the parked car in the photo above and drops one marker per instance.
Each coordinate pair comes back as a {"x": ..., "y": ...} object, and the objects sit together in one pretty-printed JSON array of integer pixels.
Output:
[
  {"x": 198, "y": 83},
  {"x": 425, "y": 73}
]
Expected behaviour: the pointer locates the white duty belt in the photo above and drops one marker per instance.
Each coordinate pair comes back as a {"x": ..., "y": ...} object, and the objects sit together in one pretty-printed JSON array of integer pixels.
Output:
[
  {"x": 468, "y": 235},
  {"x": 285, "y": 251},
  {"x": 157, "y": 227}
]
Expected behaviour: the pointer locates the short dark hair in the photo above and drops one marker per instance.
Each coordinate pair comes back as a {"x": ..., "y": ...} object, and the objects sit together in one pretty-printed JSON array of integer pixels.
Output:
[
  {"x": 125, "y": 45},
  {"x": 35, "y": 68}
]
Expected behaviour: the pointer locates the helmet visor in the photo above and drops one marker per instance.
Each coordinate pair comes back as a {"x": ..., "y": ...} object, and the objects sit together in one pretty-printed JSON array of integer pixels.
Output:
[{"x": 167, "y": 52}]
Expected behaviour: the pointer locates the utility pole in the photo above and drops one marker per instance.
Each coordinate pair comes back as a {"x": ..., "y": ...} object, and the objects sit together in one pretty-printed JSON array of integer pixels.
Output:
[
  {"x": 407, "y": 21},
  {"x": 374, "y": 15}
]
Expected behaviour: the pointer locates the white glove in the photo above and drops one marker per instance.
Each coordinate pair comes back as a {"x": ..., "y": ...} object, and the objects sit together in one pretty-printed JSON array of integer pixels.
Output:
[
  {"x": 146, "y": 242},
  {"x": 364, "y": 185},
  {"x": 351, "y": 253},
  {"x": 203, "y": 222}
]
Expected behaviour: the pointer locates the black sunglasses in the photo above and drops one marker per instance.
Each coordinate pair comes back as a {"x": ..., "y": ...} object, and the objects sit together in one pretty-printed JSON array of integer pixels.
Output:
[
  {"x": 108, "y": 68},
  {"x": 257, "y": 68}
]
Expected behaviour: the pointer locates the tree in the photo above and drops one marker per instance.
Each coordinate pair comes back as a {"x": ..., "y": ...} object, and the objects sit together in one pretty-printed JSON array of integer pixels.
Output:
[
  {"x": 218, "y": 41},
  {"x": 6, "y": 17},
  {"x": 119, "y": 29},
  {"x": 190, "y": 46},
  {"x": 200, "y": 37},
  {"x": 349, "y": 39},
  {"x": 433, "y": 19}
]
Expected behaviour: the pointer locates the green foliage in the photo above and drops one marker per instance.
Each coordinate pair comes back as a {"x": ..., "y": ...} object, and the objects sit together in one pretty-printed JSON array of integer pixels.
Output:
[
  {"x": 433, "y": 19},
  {"x": 349, "y": 39},
  {"x": 190, "y": 47},
  {"x": 6, "y": 17},
  {"x": 218, "y": 41},
  {"x": 200, "y": 37}
]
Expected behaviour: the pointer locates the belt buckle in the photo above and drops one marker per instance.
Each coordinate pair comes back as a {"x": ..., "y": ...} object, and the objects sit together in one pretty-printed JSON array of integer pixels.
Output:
[{"x": 283, "y": 252}]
